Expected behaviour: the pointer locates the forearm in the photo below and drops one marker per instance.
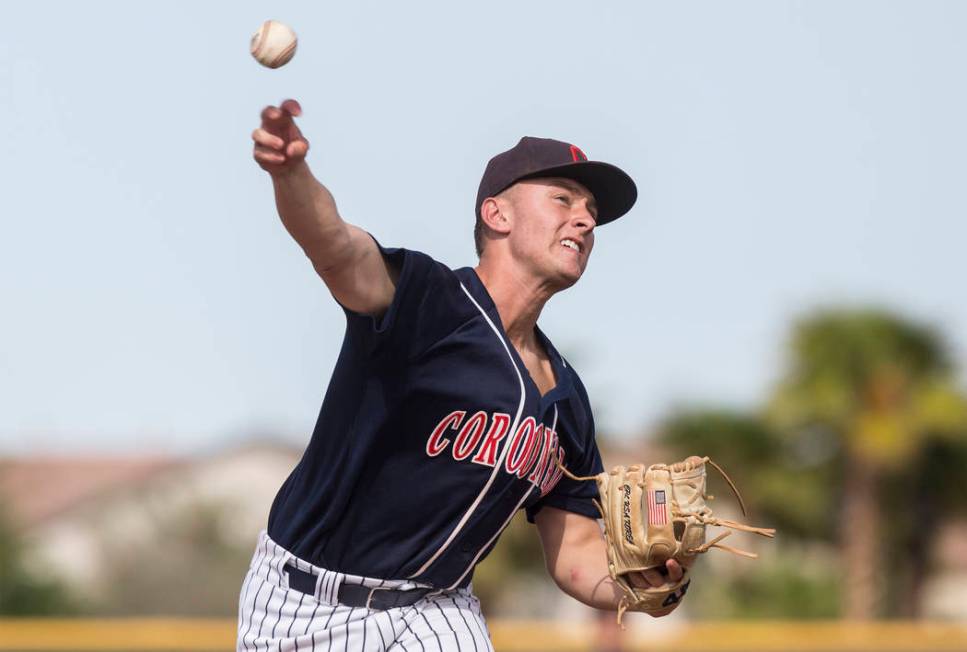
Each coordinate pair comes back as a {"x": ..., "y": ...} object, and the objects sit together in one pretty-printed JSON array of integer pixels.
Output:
[
  {"x": 581, "y": 571},
  {"x": 308, "y": 212},
  {"x": 345, "y": 257}
]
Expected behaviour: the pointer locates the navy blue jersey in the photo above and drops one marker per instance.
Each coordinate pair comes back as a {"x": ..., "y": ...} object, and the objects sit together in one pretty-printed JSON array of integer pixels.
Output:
[{"x": 432, "y": 435}]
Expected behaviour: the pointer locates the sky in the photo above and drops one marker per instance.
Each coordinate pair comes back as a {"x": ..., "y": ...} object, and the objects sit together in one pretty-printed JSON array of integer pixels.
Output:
[{"x": 788, "y": 155}]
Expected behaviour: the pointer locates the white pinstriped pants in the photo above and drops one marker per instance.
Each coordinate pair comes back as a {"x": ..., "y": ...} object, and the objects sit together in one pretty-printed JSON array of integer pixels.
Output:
[{"x": 271, "y": 616}]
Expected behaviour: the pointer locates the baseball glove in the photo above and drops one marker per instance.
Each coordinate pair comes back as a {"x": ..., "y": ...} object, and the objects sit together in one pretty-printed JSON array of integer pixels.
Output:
[{"x": 655, "y": 514}]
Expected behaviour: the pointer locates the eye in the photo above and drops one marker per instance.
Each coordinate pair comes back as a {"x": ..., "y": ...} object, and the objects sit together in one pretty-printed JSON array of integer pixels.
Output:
[{"x": 563, "y": 198}]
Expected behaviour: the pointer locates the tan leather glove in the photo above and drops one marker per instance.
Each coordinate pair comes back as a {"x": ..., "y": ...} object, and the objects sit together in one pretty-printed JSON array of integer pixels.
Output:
[{"x": 658, "y": 513}]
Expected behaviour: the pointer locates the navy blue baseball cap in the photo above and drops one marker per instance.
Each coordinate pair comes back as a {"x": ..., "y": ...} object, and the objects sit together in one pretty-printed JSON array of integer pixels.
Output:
[{"x": 614, "y": 191}]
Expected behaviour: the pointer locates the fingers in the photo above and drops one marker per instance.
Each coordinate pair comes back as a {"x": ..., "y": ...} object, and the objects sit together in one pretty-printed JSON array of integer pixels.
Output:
[
  {"x": 278, "y": 116},
  {"x": 274, "y": 117},
  {"x": 654, "y": 577},
  {"x": 671, "y": 573},
  {"x": 278, "y": 141},
  {"x": 294, "y": 149},
  {"x": 268, "y": 156},
  {"x": 297, "y": 149},
  {"x": 651, "y": 578},
  {"x": 292, "y": 107},
  {"x": 675, "y": 570},
  {"x": 661, "y": 577},
  {"x": 638, "y": 580},
  {"x": 265, "y": 139}
]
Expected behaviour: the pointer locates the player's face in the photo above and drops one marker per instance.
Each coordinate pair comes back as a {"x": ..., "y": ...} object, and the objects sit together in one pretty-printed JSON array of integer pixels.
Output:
[{"x": 554, "y": 228}]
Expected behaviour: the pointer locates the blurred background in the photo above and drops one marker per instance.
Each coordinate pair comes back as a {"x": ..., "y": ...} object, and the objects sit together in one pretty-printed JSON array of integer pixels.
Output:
[{"x": 787, "y": 296}]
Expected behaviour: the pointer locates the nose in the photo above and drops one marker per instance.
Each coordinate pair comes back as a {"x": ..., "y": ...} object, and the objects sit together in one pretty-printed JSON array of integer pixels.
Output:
[{"x": 584, "y": 218}]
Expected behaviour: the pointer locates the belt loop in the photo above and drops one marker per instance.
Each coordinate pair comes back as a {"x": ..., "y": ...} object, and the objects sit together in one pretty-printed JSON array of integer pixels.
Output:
[
  {"x": 329, "y": 592},
  {"x": 319, "y": 579},
  {"x": 284, "y": 577}
]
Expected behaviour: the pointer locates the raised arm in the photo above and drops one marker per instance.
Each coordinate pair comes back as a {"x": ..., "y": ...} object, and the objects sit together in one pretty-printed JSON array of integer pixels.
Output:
[
  {"x": 345, "y": 257},
  {"x": 577, "y": 560}
]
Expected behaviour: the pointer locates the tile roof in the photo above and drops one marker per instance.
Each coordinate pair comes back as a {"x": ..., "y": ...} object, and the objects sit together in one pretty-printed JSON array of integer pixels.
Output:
[{"x": 34, "y": 489}]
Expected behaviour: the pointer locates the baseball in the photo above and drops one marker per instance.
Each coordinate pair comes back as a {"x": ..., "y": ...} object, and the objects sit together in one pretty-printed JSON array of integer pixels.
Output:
[{"x": 274, "y": 44}]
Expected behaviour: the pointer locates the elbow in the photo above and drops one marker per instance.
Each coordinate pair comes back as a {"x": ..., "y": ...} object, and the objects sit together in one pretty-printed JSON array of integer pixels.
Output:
[
  {"x": 569, "y": 578},
  {"x": 561, "y": 574},
  {"x": 573, "y": 576}
]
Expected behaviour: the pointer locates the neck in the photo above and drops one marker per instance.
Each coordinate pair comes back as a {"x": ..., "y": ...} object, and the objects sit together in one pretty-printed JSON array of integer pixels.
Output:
[{"x": 519, "y": 302}]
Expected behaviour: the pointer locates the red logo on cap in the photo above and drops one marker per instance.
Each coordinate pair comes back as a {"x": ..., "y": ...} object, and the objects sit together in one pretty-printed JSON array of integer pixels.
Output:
[{"x": 577, "y": 154}]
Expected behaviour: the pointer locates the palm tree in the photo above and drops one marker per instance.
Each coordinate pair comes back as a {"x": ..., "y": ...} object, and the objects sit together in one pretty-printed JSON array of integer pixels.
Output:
[
  {"x": 784, "y": 492},
  {"x": 784, "y": 488},
  {"x": 927, "y": 495},
  {"x": 881, "y": 389}
]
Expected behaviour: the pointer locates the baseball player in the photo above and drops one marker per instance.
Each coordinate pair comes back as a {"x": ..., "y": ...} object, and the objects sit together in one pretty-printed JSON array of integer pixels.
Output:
[{"x": 448, "y": 411}]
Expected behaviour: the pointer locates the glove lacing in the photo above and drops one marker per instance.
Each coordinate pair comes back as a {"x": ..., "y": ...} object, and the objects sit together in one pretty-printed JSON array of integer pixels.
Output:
[{"x": 703, "y": 516}]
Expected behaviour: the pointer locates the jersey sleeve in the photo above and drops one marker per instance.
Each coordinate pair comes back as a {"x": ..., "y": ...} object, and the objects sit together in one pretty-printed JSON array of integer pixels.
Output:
[
  {"x": 581, "y": 458},
  {"x": 572, "y": 495},
  {"x": 416, "y": 316}
]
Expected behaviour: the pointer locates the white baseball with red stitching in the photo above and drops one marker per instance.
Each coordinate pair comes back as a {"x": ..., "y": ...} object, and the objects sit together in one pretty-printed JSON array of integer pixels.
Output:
[{"x": 274, "y": 44}]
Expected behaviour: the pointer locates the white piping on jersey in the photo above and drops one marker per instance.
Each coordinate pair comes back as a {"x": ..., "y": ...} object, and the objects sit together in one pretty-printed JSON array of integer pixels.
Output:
[
  {"x": 503, "y": 450},
  {"x": 498, "y": 532}
]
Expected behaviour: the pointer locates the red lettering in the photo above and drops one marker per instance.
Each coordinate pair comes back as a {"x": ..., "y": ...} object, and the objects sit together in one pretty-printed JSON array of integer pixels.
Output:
[
  {"x": 469, "y": 436},
  {"x": 488, "y": 449},
  {"x": 542, "y": 455},
  {"x": 518, "y": 446},
  {"x": 436, "y": 443},
  {"x": 533, "y": 448},
  {"x": 540, "y": 477},
  {"x": 554, "y": 473}
]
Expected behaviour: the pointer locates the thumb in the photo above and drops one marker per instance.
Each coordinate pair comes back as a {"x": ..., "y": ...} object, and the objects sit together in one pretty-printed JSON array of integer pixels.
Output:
[
  {"x": 297, "y": 149},
  {"x": 291, "y": 107}
]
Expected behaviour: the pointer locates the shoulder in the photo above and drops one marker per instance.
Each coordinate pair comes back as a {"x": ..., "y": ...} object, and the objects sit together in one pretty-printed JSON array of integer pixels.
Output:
[
  {"x": 429, "y": 302},
  {"x": 402, "y": 257},
  {"x": 418, "y": 272}
]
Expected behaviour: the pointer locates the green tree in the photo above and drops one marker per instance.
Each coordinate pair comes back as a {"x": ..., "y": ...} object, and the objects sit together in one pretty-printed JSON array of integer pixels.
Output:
[
  {"x": 879, "y": 392},
  {"x": 788, "y": 491},
  {"x": 924, "y": 495},
  {"x": 23, "y": 593},
  {"x": 785, "y": 489}
]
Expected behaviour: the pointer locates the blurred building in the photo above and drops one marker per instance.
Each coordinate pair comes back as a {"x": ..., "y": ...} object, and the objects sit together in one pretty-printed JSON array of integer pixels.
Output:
[
  {"x": 946, "y": 590},
  {"x": 94, "y": 522},
  {"x": 76, "y": 514}
]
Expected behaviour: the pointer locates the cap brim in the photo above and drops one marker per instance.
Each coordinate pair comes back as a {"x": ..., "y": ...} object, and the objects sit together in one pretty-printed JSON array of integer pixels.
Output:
[{"x": 614, "y": 191}]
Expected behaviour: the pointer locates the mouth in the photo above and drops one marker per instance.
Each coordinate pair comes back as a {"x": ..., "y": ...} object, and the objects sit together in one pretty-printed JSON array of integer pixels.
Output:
[{"x": 571, "y": 244}]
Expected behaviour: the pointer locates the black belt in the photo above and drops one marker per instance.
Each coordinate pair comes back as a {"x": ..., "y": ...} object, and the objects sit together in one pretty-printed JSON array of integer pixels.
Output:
[{"x": 354, "y": 595}]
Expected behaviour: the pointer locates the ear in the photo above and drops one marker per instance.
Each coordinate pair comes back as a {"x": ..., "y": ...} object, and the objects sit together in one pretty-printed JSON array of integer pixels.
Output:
[{"x": 495, "y": 214}]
